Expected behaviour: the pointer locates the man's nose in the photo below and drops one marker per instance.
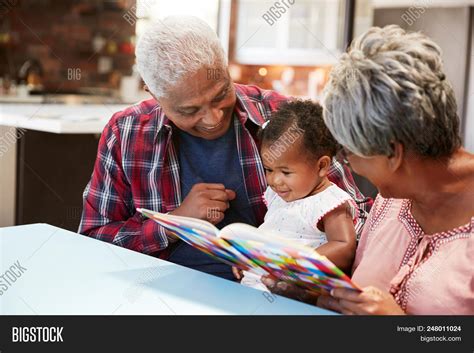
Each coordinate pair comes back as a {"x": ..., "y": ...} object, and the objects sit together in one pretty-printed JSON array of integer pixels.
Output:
[{"x": 213, "y": 117}]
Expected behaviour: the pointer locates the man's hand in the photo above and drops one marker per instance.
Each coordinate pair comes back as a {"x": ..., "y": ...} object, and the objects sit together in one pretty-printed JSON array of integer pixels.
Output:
[
  {"x": 206, "y": 201},
  {"x": 371, "y": 301}
]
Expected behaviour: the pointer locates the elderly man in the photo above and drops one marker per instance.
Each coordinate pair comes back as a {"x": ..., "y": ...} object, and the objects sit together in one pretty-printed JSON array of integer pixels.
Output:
[{"x": 191, "y": 151}]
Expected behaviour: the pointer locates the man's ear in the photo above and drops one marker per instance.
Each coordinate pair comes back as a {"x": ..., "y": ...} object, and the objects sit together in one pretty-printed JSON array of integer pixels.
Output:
[
  {"x": 323, "y": 165},
  {"x": 145, "y": 87},
  {"x": 396, "y": 159}
]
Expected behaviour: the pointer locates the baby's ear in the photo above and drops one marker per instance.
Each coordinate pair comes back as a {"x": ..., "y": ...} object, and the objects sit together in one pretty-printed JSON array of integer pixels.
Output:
[{"x": 324, "y": 163}]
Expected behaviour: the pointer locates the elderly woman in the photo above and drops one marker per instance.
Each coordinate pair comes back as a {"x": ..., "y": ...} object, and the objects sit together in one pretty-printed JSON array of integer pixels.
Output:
[{"x": 389, "y": 105}]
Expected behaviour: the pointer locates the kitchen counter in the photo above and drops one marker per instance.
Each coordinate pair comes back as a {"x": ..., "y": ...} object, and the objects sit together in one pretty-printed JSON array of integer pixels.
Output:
[
  {"x": 59, "y": 118},
  {"x": 47, "y": 156}
]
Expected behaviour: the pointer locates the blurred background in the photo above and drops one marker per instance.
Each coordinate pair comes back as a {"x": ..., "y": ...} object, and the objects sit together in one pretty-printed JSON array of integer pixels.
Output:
[{"x": 66, "y": 66}]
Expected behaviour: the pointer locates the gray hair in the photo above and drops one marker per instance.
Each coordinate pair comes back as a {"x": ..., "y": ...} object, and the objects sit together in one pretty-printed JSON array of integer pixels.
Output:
[
  {"x": 390, "y": 87},
  {"x": 175, "y": 47}
]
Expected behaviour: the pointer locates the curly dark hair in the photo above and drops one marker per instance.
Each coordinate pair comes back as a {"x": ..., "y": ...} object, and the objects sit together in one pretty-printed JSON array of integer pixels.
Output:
[{"x": 308, "y": 116}]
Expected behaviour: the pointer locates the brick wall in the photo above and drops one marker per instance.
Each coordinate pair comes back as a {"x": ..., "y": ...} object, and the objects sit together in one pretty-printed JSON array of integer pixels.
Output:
[{"x": 64, "y": 35}]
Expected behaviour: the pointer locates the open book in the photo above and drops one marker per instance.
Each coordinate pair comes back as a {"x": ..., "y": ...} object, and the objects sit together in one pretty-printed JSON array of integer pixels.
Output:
[{"x": 256, "y": 250}]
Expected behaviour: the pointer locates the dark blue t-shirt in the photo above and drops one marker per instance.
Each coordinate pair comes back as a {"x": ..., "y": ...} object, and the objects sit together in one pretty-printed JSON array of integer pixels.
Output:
[{"x": 211, "y": 161}]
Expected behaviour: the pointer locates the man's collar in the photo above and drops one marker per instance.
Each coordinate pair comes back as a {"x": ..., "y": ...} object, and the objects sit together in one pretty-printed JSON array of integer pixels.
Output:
[
  {"x": 240, "y": 107},
  {"x": 161, "y": 119}
]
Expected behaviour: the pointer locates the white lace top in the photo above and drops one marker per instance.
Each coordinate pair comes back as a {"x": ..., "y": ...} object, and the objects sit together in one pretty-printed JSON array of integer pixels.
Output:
[{"x": 297, "y": 220}]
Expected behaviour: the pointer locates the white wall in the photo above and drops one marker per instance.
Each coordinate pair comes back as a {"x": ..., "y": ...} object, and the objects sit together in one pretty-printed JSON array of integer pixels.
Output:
[
  {"x": 421, "y": 3},
  {"x": 7, "y": 175},
  {"x": 468, "y": 134}
]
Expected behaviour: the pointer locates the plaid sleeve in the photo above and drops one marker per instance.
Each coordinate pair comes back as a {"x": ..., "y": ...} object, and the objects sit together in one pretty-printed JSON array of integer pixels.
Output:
[
  {"x": 340, "y": 175},
  {"x": 108, "y": 210}
]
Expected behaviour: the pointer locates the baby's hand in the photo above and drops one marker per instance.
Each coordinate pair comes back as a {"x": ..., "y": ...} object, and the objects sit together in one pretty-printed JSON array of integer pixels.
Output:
[{"x": 237, "y": 273}]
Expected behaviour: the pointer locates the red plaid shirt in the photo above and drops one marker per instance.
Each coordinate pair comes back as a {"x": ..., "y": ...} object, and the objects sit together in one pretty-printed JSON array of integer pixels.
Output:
[{"x": 137, "y": 167}]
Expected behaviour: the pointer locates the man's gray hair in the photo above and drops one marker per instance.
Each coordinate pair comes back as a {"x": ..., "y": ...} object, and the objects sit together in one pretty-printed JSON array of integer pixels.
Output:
[
  {"x": 390, "y": 87},
  {"x": 175, "y": 47}
]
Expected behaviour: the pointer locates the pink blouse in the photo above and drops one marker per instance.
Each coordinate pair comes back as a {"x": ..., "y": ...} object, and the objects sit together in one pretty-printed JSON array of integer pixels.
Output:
[{"x": 426, "y": 274}]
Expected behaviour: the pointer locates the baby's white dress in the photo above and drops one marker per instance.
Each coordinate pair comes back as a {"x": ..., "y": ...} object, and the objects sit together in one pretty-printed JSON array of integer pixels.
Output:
[{"x": 297, "y": 220}]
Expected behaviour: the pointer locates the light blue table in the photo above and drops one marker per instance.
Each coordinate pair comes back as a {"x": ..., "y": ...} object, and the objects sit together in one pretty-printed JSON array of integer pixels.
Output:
[{"x": 67, "y": 273}]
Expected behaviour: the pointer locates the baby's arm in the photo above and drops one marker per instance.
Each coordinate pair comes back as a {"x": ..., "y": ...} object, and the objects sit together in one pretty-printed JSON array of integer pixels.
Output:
[{"x": 341, "y": 235}]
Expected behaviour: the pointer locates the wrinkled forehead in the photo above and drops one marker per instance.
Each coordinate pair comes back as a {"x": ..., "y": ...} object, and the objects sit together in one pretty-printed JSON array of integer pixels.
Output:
[{"x": 201, "y": 86}]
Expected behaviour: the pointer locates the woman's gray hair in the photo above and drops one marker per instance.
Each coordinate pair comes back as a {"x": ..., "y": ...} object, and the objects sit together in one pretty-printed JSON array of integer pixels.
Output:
[
  {"x": 175, "y": 47},
  {"x": 390, "y": 87}
]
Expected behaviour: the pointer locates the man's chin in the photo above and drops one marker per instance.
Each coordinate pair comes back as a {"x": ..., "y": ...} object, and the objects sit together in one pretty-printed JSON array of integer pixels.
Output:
[{"x": 214, "y": 133}]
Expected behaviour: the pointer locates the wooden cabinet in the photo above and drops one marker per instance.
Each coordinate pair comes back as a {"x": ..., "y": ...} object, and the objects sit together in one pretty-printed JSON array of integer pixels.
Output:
[{"x": 52, "y": 173}]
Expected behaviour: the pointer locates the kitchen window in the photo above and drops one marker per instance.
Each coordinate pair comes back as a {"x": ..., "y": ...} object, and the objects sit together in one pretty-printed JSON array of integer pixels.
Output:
[{"x": 299, "y": 32}]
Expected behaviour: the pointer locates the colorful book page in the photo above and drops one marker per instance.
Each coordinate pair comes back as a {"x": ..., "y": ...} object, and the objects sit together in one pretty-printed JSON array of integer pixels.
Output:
[
  {"x": 197, "y": 236},
  {"x": 306, "y": 269}
]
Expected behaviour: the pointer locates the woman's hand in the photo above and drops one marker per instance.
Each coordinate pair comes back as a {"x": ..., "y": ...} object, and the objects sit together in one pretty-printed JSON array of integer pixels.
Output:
[
  {"x": 371, "y": 301},
  {"x": 238, "y": 273},
  {"x": 289, "y": 290}
]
